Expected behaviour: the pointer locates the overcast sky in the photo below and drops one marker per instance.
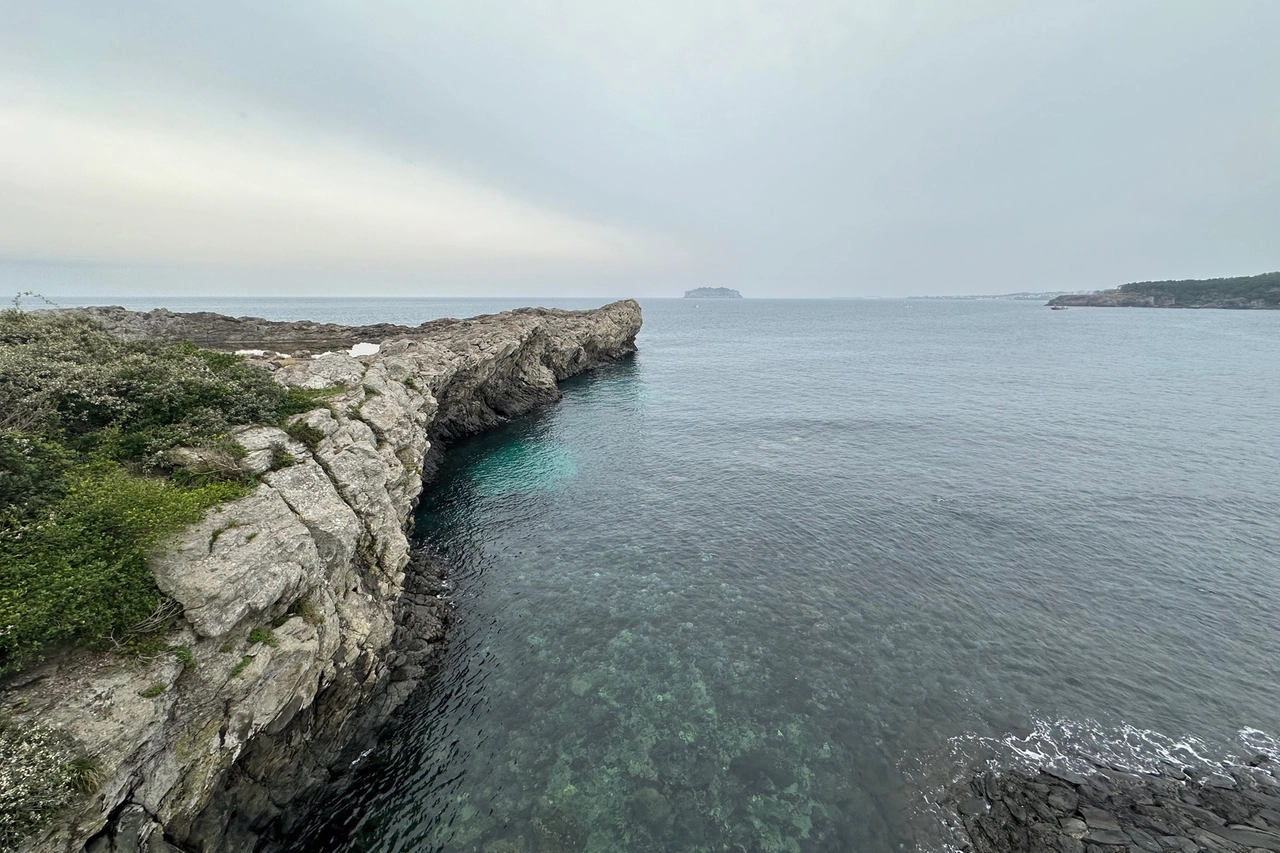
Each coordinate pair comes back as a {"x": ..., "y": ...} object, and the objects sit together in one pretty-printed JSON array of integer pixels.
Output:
[{"x": 609, "y": 147}]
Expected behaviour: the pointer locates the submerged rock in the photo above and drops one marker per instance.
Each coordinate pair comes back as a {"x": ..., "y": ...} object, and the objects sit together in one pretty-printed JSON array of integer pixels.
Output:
[
  {"x": 648, "y": 809},
  {"x": 758, "y": 768},
  {"x": 559, "y": 832}
]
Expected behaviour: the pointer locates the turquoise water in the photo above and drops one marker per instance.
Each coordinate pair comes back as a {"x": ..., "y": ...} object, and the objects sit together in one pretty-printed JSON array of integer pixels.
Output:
[{"x": 762, "y": 587}]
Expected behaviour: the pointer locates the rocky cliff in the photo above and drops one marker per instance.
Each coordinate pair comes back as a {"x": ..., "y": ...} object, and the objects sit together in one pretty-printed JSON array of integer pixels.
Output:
[{"x": 303, "y": 607}]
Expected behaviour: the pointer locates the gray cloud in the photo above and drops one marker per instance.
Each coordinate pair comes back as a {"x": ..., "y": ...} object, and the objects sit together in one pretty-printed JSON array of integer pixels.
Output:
[{"x": 588, "y": 146}]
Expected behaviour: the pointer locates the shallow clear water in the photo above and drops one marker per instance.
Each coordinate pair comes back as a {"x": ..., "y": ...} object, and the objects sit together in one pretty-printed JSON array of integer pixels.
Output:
[{"x": 747, "y": 590}]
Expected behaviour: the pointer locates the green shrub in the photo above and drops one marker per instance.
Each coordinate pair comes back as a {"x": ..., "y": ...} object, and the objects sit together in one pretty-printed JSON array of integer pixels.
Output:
[
  {"x": 31, "y": 473},
  {"x": 264, "y": 636},
  {"x": 184, "y": 656},
  {"x": 64, "y": 377},
  {"x": 305, "y": 433},
  {"x": 153, "y": 691},
  {"x": 281, "y": 458},
  {"x": 77, "y": 570},
  {"x": 297, "y": 401}
]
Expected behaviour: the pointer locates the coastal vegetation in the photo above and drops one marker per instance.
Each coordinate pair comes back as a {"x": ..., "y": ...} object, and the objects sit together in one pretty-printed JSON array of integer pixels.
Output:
[
  {"x": 89, "y": 478},
  {"x": 1254, "y": 291},
  {"x": 40, "y": 774}
]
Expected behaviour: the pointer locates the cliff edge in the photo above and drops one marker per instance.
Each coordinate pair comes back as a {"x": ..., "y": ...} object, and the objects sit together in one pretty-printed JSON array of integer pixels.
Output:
[{"x": 302, "y": 604}]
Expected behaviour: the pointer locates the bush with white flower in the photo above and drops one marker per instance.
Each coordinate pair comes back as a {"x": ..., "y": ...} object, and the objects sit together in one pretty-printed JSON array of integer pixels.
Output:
[{"x": 40, "y": 774}]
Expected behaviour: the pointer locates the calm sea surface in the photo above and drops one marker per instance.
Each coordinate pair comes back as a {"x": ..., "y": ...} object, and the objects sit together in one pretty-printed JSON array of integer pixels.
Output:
[{"x": 769, "y": 584}]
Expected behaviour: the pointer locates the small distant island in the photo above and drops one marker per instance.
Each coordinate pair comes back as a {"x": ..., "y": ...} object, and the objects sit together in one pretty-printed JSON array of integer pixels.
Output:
[
  {"x": 1254, "y": 291},
  {"x": 712, "y": 293}
]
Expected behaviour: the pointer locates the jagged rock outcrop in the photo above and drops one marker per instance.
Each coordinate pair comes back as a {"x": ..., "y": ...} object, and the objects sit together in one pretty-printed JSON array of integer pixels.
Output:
[
  {"x": 302, "y": 601},
  {"x": 1178, "y": 810}
]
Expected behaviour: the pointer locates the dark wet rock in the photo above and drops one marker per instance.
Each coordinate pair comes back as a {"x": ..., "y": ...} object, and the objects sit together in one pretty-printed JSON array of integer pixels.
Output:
[
  {"x": 1107, "y": 836},
  {"x": 1249, "y": 837},
  {"x": 1074, "y": 827},
  {"x": 1143, "y": 839},
  {"x": 1067, "y": 844},
  {"x": 1113, "y": 810},
  {"x": 1062, "y": 799},
  {"x": 1179, "y": 843},
  {"x": 1065, "y": 775},
  {"x": 1099, "y": 818}
]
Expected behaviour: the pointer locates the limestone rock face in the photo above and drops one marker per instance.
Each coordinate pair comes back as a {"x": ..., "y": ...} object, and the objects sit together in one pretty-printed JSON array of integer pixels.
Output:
[{"x": 314, "y": 566}]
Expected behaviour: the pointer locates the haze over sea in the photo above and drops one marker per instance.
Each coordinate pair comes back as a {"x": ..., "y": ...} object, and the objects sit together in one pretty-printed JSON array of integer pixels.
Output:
[{"x": 771, "y": 583}]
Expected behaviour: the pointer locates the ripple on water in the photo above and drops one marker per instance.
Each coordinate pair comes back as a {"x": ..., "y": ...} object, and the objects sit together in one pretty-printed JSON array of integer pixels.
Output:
[{"x": 805, "y": 547}]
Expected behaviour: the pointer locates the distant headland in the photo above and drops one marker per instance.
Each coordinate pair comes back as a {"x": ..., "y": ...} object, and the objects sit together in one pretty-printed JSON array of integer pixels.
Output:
[
  {"x": 1023, "y": 296},
  {"x": 712, "y": 293},
  {"x": 1254, "y": 291}
]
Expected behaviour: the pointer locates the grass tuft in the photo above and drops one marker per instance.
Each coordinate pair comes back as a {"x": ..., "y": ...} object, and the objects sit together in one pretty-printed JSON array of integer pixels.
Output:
[
  {"x": 86, "y": 774},
  {"x": 308, "y": 610},
  {"x": 242, "y": 665},
  {"x": 184, "y": 656},
  {"x": 264, "y": 636}
]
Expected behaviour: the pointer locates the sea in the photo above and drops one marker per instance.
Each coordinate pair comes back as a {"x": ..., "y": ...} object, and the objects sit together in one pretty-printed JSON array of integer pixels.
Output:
[{"x": 780, "y": 581}]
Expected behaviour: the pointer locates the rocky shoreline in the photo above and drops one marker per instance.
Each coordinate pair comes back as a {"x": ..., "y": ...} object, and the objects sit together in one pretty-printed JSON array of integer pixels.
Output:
[
  {"x": 305, "y": 615},
  {"x": 1178, "y": 810},
  {"x": 1243, "y": 292}
]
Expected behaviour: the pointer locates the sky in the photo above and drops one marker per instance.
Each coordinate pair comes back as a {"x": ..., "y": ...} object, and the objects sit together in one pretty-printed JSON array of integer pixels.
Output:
[{"x": 602, "y": 147}]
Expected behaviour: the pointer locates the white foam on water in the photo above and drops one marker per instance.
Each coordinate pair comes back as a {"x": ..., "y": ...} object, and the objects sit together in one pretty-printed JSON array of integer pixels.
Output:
[{"x": 364, "y": 348}]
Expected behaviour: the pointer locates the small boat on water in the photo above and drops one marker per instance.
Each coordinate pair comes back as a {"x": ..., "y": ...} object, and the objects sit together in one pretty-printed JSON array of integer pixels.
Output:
[{"x": 1057, "y": 308}]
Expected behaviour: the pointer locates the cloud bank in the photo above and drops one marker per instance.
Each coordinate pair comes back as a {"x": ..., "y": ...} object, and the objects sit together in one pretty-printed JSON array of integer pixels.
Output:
[
  {"x": 92, "y": 188},
  {"x": 806, "y": 147}
]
